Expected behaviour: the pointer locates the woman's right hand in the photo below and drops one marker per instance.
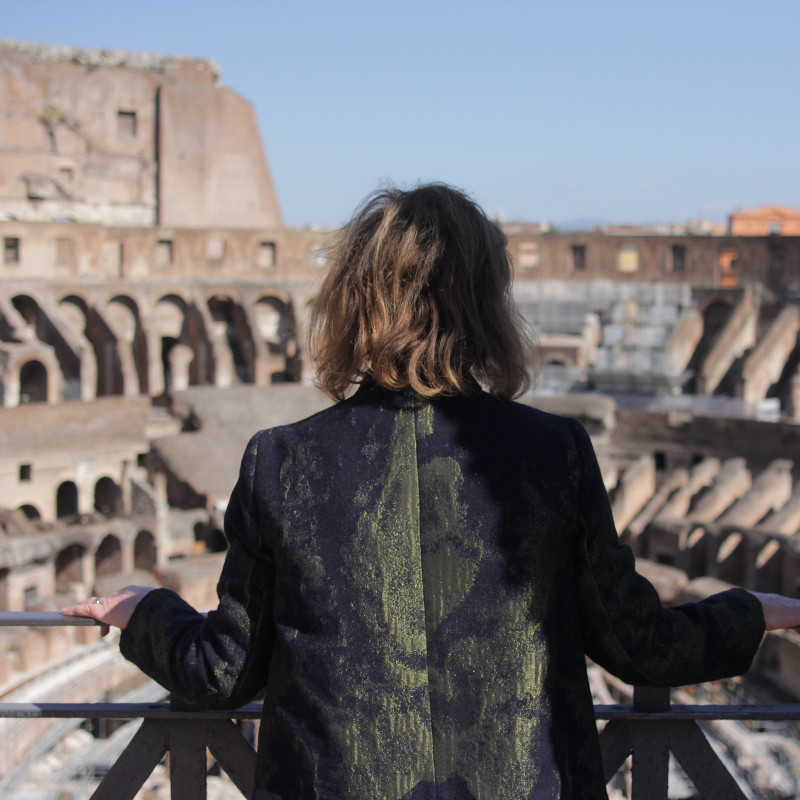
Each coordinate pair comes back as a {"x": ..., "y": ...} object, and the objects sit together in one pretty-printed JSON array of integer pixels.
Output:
[
  {"x": 779, "y": 611},
  {"x": 115, "y": 609}
]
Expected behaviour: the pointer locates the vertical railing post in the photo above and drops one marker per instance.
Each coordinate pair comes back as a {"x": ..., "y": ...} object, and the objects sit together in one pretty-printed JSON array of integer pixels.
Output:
[
  {"x": 650, "y": 771},
  {"x": 187, "y": 760}
]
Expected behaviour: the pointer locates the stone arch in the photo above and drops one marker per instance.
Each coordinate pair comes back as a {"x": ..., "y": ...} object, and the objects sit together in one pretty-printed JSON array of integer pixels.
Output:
[
  {"x": 124, "y": 314},
  {"x": 107, "y": 368},
  {"x": 145, "y": 553},
  {"x": 30, "y": 511},
  {"x": 716, "y": 311},
  {"x": 75, "y": 310},
  {"x": 28, "y": 309},
  {"x": 769, "y": 567},
  {"x": 695, "y": 557},
  {"x": 275, "y": 325},
  {"x": 69, "y": 566},
  {"x": 66, "y": 499},
  {"x": 108, "y": 556},
  {"x": 107, "y": 497},
  {"x": 230, "y": 323},
  {"x": 51, "y": 333},
  {"x": 168, "y": 322},
  {"x": 33, "y": 382},
  {"x": 730, "y": 561},
  {"x": 180, "y": 338}
]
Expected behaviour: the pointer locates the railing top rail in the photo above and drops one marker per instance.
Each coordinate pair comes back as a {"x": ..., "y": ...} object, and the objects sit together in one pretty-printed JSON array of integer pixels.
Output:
[
  {"x": 705, "y": 711},
  {"x": 123, "y": 711},
  {"x": 41, "y": 619},
  {"x": 788, "y": 711},
  {"x": 645, "y": 708}
]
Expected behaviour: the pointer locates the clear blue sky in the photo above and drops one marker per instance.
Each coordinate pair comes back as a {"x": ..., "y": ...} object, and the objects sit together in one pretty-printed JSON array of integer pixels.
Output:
[{"x": 614, "y": 111}]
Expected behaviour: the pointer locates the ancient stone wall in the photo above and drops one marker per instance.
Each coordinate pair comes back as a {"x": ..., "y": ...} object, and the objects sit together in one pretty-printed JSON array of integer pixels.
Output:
[{"x": 127, "y": 139}]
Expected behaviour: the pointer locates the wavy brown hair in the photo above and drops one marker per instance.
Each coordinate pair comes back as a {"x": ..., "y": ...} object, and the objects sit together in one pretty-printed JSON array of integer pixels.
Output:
[{"x": 419, "y": 294}]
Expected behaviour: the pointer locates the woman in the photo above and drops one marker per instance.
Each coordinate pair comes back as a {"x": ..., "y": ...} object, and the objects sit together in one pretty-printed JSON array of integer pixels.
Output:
[{"x": 415, "y": 574}]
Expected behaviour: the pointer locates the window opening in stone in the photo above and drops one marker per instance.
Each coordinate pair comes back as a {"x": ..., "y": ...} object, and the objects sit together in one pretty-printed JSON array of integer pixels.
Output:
[
  {"x": 33, "y": 383},
  {"x": 11, "y": 250},
  {"x": 266, "y": 255},
  {"x": 24, "y": 473},
  {"x": 579, "y": 257},
  {"x": 66, "y": 500},
  {"x": 215, "y": 251},
  {"x": 678, "y": 258},
  {"x": 628, "y": 258},
  {"x": 164, "y": 253},
  {"x": 126, "y": 124},
  {"x": 107, "y": 497},
  {"x": 728, "y": 258}
]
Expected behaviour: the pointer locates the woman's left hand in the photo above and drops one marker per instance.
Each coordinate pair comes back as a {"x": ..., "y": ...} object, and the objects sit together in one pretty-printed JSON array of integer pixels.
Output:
[{"x": 115, "y": 609}]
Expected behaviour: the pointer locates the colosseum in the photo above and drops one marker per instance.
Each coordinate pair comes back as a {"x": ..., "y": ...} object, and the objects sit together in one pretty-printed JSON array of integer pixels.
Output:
[{"x": 153, "y": 317}]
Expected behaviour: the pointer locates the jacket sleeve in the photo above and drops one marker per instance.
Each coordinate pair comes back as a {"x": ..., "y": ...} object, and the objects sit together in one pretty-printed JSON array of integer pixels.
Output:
[
  {"x": 219, "y": 660},
  {"x": 626, "y": 630}
]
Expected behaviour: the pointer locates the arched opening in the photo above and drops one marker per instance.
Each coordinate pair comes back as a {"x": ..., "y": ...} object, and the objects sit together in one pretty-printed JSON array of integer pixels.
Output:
[
  {"x": 731, "y": 560},
  {"x": 66, "y": 500},
  {"x": 274, "y": 321},
  {"x": 108, "y": 558},
  {"x": 167, "y": 344},
  {"x": 124, "y": 318},
  {"x": 232, "y": 324},
  {"x": 695, "y": 557},
  {"x": 107, "y": 497},
  {"x": 185, "y": 349},
  {"x": 715, "y": 317},
  {"x": 28, "y": 309},
  {"x": 33, "y": 382},
  {"x": 30, "y": 511},
  {"x": 69, "y": 567},
  {"x": 51, "y": 334},
  {"x": 144, "y": 551},
  {"x": 109, "y": 379},
  {"x": 769, "y": 567}
]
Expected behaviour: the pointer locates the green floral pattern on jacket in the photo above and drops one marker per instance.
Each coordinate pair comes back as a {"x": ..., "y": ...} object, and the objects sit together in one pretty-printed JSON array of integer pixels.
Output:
[{"x": 415, "y": 584}]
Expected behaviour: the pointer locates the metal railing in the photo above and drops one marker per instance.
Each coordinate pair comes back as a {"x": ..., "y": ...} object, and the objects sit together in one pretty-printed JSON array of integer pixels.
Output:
[{"x": 648, "y": 730}]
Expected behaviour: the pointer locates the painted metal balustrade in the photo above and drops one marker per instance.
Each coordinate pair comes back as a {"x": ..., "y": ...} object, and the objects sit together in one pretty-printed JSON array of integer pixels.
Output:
[{"x": 649, "y": 730}]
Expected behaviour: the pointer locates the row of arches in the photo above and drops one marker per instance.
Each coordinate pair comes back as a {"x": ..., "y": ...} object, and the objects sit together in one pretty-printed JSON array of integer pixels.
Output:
[
  {"x": 116, "y": 348},
  {"x": 761, "y": 563},
  {"x": 107, "y": 500},
  {"x": 70, "y": 562}
]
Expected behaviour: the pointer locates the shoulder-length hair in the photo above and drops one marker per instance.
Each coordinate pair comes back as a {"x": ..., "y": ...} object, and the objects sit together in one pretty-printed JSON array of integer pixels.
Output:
[{"x": 419, "y": 294}]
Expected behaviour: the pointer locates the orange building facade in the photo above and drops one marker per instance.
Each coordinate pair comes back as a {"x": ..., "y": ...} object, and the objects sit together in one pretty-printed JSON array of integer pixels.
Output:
[{"x": 765, "y": 221}]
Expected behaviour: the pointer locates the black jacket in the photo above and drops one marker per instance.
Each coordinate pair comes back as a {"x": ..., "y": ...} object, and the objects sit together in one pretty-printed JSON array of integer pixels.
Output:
[{"x": 415, "y": 583}]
